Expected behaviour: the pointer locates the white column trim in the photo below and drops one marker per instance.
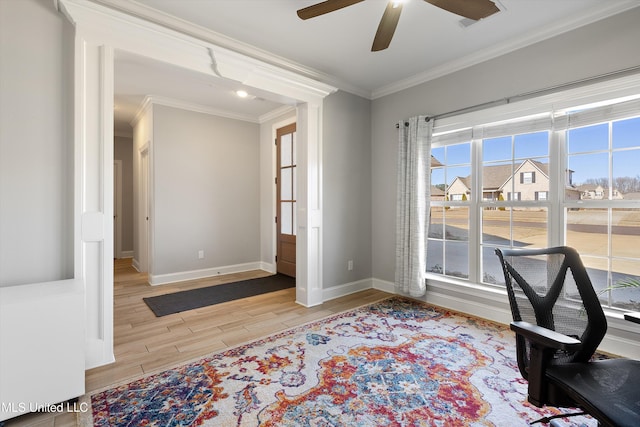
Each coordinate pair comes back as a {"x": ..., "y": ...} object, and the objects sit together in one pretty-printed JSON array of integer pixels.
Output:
[{"x": 100, "y": 31}]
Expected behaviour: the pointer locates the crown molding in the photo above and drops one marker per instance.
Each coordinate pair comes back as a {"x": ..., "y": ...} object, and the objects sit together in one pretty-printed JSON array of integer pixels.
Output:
[
  {"x": 170, "y": 22},
  {"x": 122, "y": 134},
  {"x": 540, "y": 34},
  {"x": 151, "y": 100},
  {"x": 197, "y": 108},
  {"x": 274, "y": 114}
]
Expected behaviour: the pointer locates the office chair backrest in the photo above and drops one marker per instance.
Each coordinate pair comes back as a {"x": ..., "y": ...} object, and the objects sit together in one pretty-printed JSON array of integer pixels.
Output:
[{"x": 551, "y": 288}]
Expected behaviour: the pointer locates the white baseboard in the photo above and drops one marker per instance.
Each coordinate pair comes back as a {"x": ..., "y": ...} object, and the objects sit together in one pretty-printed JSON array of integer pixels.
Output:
[
  {"x": 163, "y": 279},
  {"x": 268, "y": 267},
  {"x": 383, "y": 285},
  {"x": 346, "y": 289},
  {"x": 451, "y": 302},
  {"x": 126, "y": 254},
  {"x": 136, "y": 264},
  {"x": 469, "y": 306}
]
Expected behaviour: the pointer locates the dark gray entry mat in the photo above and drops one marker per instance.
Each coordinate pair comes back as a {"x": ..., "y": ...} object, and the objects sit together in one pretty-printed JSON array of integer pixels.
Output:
[{"x": 163, "y": 305}]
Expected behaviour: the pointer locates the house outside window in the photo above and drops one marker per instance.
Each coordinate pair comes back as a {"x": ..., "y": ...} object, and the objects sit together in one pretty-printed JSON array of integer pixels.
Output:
[
  {"x": 448, "y": 245},
  {"x": 549, "y": 179}
]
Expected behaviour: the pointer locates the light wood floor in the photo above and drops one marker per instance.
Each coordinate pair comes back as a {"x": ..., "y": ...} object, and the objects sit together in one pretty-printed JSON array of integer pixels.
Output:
[{"x": 145, "y": 344}]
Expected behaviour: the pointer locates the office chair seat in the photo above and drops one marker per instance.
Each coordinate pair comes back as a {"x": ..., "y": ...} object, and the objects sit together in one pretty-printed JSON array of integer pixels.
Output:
[{"x": 607, "y": 389}]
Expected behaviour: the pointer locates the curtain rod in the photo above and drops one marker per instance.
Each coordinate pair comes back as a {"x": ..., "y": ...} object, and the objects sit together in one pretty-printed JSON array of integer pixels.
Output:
[{"x": 534, "y": 93}]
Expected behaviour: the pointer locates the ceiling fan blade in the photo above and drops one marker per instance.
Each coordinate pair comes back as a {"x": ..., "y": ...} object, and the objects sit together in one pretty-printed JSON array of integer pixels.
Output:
[
  {"x": 472, "y": 9},
  {"x": 387, "y": 26},
  {"x": 324, "y": 7}
]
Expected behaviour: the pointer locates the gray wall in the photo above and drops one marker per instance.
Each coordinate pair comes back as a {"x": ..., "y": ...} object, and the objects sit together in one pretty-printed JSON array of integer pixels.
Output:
[
  {"x": 123, "y": 150},
  {"x": 346, "y": 185},
  {"x": 36, "y": 157},
  {"x": 602, "y": 47},
  {"x": 206, "y": 191}
]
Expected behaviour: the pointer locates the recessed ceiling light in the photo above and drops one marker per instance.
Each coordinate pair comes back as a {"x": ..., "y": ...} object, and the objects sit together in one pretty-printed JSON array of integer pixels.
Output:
[{"x": 242, "y": 93}]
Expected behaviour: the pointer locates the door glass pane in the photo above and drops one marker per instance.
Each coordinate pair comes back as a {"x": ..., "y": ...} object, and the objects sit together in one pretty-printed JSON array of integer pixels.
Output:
[
  {"x": 286, "y": 150},
  {"x": 293, "y": 216},
  {"x": 294, "y": 149},
  {"x": 293, "y": 177},
  {"x": 286, "y": 217},
  {"x": 286, "y": 184}
]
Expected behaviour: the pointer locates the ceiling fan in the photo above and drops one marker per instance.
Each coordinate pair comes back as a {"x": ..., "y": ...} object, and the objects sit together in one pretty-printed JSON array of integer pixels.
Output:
[{"x": 471, "y": 9}]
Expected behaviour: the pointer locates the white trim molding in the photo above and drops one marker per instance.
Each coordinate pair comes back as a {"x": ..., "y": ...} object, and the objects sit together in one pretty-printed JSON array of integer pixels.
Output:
[
  {"x": 334, "y": 292},
  {"x": 100, "y": 31},
  {"x": 163, "y": 279}
]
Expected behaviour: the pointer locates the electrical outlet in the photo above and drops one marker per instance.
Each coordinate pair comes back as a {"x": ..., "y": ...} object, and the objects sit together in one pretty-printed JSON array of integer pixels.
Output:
[
  {"x": 201, "y": 254},
  {"x": 350, "y": 265}
]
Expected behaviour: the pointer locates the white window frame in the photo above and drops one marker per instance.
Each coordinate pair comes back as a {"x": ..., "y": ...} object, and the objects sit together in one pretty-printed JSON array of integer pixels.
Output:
[{"x": 457, "y": 128}]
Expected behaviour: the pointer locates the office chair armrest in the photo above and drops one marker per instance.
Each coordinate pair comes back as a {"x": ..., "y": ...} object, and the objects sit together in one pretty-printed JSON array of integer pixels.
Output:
[
  {"x": 545, "y": 337},
  {"x": 544, "y": 344}
]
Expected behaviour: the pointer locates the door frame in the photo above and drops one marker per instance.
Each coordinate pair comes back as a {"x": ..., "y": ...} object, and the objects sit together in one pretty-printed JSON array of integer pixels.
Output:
[
  {"x": 279, "y": 234},
  {"x": 99, "y": 31},
  {"x": 117, "y": 209},
  {"x": 142, "y": 262}
]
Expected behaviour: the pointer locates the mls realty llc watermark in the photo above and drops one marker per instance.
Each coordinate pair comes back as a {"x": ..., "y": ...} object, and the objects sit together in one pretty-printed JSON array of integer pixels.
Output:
[{"x": 24, "y": 407}]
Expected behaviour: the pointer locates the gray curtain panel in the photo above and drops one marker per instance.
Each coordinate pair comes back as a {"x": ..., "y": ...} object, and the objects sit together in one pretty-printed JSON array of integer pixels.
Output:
[{"x": 414, "y": 193}]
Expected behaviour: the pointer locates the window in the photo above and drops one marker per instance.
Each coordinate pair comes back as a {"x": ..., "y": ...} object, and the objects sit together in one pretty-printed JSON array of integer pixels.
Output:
[
  {"x": 527, "y": 177},
  {"x": 451, "y": 182},
  {"x": 509, "y": 166},
  {"x": 551, "y": 178},
  {"x": 604, "y": 225}
]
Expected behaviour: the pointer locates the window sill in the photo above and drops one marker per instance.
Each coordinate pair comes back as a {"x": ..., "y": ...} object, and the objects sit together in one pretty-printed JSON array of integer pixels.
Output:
[{"x": 622, "y": 338}]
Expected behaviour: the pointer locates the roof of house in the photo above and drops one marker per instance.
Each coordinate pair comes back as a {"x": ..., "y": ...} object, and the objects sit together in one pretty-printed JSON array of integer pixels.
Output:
[
  {"x": 494, "y": 177},
  {"x": 435, "y": 191},
  {"x": 588, "y": 187}
]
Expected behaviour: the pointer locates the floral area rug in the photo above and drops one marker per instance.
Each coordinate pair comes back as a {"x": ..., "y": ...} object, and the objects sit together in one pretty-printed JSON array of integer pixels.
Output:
[{"x": 397, "y": 362}]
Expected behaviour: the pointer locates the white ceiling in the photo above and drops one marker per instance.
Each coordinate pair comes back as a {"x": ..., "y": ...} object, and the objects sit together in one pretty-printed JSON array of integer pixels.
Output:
[{"x": 336, "y": 48}]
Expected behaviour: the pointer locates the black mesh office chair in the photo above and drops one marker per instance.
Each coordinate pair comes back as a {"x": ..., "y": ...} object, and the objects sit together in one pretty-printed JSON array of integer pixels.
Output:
[{"x": 559, "y": 324}]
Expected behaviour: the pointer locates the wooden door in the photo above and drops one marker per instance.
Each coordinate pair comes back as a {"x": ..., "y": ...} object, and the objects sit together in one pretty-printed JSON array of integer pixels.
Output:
[{"x": 286, "y": 200}]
